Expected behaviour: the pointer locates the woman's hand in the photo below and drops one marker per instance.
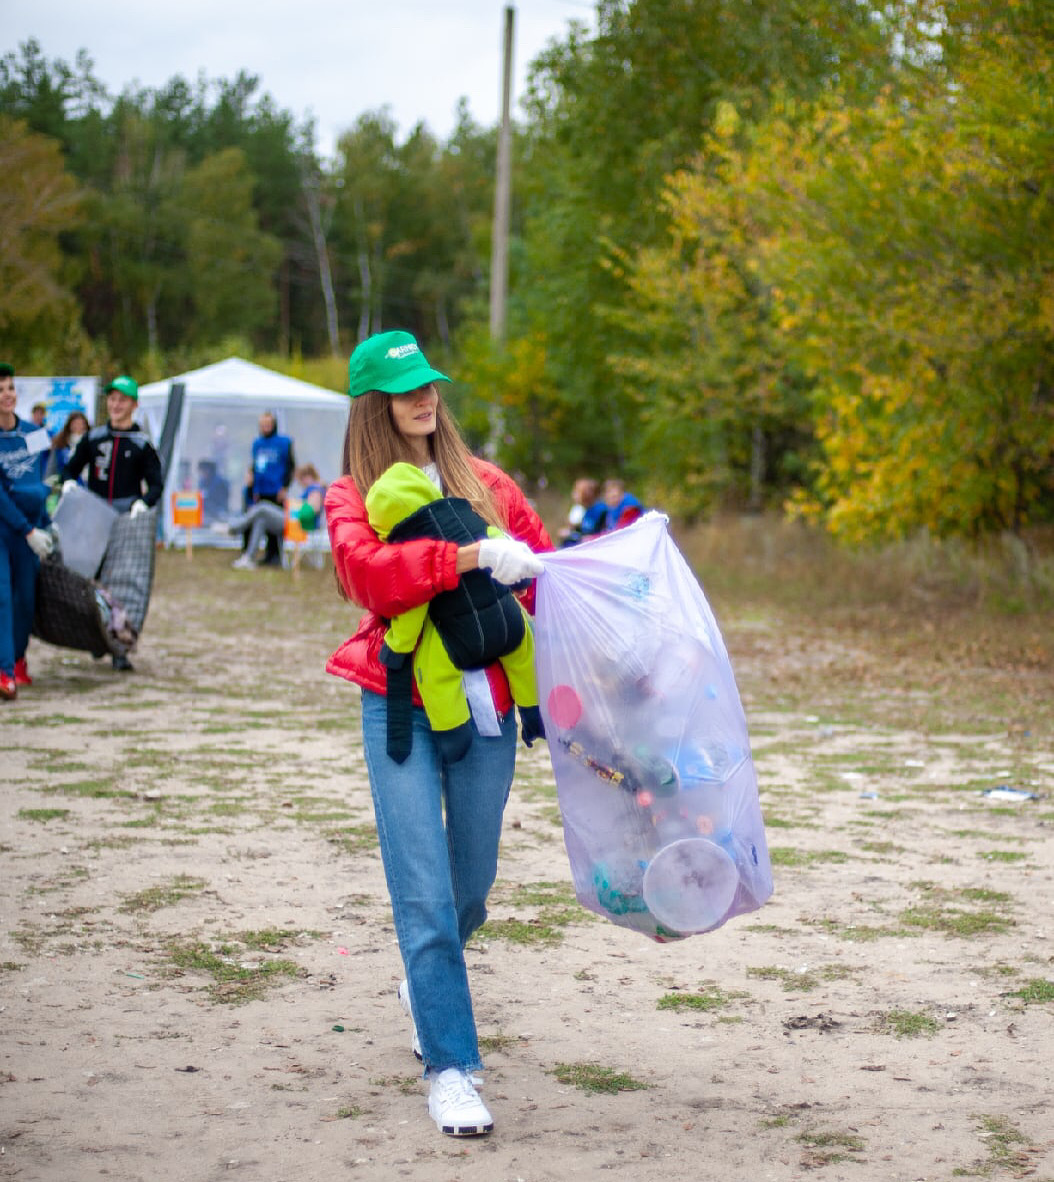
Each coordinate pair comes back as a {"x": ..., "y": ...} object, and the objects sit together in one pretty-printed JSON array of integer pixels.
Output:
[{"x": 508, "y": 560}]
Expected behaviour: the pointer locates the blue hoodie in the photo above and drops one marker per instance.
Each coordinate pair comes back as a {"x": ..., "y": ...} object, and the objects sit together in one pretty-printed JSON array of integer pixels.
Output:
[{"x": 23, "y": 494}]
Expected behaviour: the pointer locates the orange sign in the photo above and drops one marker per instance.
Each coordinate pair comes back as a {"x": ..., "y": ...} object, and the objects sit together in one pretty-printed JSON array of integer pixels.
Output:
[
  {"x": 294, "y": 531},
  {"x": 188, "y": 509}
]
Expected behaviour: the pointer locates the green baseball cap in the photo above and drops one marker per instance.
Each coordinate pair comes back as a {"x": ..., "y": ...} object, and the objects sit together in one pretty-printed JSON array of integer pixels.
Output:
[
  {"x": 391, "y": 362},
  {"x": 124, "y": 385}
]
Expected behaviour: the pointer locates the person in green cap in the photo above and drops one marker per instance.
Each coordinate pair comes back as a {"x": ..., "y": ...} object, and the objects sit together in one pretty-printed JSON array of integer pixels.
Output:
[
  {"x": 438, "y": 822},
  {"x": 477, "y": 623},
  {"x": 123, "y": 466}
]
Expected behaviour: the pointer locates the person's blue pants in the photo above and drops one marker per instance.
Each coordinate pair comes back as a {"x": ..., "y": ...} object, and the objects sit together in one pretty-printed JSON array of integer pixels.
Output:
[
  {"x": 438, "y": 826},
  {"x": 18, "y": 585}
]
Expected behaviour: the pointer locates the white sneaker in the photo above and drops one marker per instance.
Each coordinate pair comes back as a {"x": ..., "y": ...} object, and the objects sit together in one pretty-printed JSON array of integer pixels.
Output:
[
  {"x": 244, "y": 563},
  {"x": 404, "y": 1001},
  {"x": 455, "y": 1106}
]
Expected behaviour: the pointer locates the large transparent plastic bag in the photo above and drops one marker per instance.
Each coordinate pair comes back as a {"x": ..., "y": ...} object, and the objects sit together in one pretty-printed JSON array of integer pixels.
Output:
[{"x": 648, "y": 738}]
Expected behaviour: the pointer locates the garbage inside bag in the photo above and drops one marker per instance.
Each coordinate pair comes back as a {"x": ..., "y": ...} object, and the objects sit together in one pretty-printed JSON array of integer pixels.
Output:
[{"x": 648, "y": 738}]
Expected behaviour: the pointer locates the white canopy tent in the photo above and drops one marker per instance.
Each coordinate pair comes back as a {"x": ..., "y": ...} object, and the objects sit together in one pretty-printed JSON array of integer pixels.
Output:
[{"x": 218, "y": 422}]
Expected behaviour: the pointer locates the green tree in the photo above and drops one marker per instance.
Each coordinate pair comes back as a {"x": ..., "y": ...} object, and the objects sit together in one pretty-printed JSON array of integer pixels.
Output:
[
  {"x": 230, "y": 261},
  {"x": 39, "y": 200},
  {"x": 611, "y": 117}
]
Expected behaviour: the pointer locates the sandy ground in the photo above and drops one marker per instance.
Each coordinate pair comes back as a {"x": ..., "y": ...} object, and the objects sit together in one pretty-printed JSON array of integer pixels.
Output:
[{"x": 888, "y": 1015}]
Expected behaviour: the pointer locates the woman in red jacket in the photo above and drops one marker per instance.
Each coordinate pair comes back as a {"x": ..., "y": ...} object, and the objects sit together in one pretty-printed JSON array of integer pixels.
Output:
[{"x": 438, "y": 824}]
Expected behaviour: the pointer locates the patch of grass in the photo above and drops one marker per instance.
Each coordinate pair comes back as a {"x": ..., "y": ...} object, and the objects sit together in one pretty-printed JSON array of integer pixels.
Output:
[
  {"x": 1002, "y": 855},
  {"x": 498, "y": 1042},
  {"x": 772, "y": 929},
  {"x": 1035, "y": 990},
  {"x": 117, "y": 842},
  {"x": 234, "y": 981},
  {"x": 906, "y": 1024},
  {"x": 785, "y": 856},
  {"x": 162, "y": 895},
  {"x": 152, "y": 818},
  {"x": 596, "y": 1079},
  {"x": 407, "y": 1085},
  {"x": 519, "y": 931},
  {"x": 954, "y": 922},
  {"x": 58, "y": 721},
  {"x": 42, "y": 815},
  {"x": 557, "y": 909},
  {"x": 62, "y": 881},
  {"x": 11, "y": 966},
  {"x": 91, "y": 789},
  {"x": 53, "y": 766},
  {"x": 802, "y": 981},
  {"x": 1001, "y": 1139},
  {"x": 985, "y": 895},
  {"x": 354, "y": 839},
  {"x": 860, "y": 933},
  {"x": 826, "y": 1147},
  {"x": 274, "y": 939},
  {"x": 940, "y": 911},
  {"x": 774, "y": 1122},
  {"x": 881, "y": 847},
  {"x": 710, "y": 997},
  {"x": 349, "y": 1112}
]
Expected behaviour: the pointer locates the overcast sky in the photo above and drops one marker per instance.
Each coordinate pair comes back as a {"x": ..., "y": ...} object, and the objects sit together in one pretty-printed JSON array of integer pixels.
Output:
[{"x": 333, "y": 59}]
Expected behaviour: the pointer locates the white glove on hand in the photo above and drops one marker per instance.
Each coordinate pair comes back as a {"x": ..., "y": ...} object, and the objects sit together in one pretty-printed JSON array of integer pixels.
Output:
[
  {"x": 137, "y": 508},
  {"x": 508, "y": 560},
  {"x": 67, "y": 485},
  {"x": 40, "y": 543}
]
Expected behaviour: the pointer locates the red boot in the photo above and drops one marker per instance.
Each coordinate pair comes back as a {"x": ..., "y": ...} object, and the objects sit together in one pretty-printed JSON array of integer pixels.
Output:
[
  {"x": 8, "y": 689},
  {"x": 22, "y": 673}
]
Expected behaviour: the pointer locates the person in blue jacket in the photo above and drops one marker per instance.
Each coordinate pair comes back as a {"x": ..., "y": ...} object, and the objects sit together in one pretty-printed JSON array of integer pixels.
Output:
[
  {"x": 23, "y": 537},
  {"x": 623, "y": 508},
  {"x": 272, "y": 470},
  {"x": 588, "y": 512}
]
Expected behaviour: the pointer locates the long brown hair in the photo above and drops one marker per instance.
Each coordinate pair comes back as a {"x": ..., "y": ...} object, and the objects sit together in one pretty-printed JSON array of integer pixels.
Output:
[
  {"x": 373, "y": 444},
  {"x": 62, "y": 439}
]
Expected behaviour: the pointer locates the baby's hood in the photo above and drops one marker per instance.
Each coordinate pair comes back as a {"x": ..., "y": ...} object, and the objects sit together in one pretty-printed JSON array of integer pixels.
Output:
[{"x": 393, "y": 496}]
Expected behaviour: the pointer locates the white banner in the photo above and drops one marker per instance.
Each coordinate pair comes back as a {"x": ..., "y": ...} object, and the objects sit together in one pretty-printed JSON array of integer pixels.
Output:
[{"x": 59, "y": 396}]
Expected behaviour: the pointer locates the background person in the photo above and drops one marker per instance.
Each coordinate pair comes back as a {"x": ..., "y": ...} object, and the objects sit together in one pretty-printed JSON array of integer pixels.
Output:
[
  {"x": 122, "y": 467},
  {"x": 65, "y": 442},
  {"x": 272, "y": 470},
  {"x": 265, "y": 520},
  {"x": 215, "y": 491},
  {"x": 623, "y": 508},
  {"x": 587, "y": 513},
  {"x": 23, "y": 540},
  {"x": 38, "y": 415},
  {"x": 439, "y": 824}
]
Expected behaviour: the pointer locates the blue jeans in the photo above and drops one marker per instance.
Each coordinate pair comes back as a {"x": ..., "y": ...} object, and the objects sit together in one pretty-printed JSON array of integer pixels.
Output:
[
  {"x": 18, "y": 590},
  {"x": 438, "y": 826}
]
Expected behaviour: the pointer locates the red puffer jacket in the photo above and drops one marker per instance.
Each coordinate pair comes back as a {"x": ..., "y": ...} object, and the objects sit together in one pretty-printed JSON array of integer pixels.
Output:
[{"x": 390, "y": 579}]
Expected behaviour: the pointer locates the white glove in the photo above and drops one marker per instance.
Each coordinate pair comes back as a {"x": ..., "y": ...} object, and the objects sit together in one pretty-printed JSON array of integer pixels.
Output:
[
  {"x": 40, "y": 542},
  {"x": 508, "y": 560},
  {"x": 67, "y": 485},
  {"x": 137, "y": 508}
]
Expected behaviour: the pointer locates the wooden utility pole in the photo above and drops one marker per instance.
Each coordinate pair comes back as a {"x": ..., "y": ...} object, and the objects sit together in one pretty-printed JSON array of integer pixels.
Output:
[{"x": 499, "y": 254}]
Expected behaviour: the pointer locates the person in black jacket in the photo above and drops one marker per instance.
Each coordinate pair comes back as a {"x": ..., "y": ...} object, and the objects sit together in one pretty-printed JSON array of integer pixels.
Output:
[{"x": 123, "y": 465}]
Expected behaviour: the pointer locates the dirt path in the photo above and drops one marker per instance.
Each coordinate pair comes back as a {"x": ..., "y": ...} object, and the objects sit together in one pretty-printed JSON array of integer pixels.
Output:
[{"x": 198, "y": 971}]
